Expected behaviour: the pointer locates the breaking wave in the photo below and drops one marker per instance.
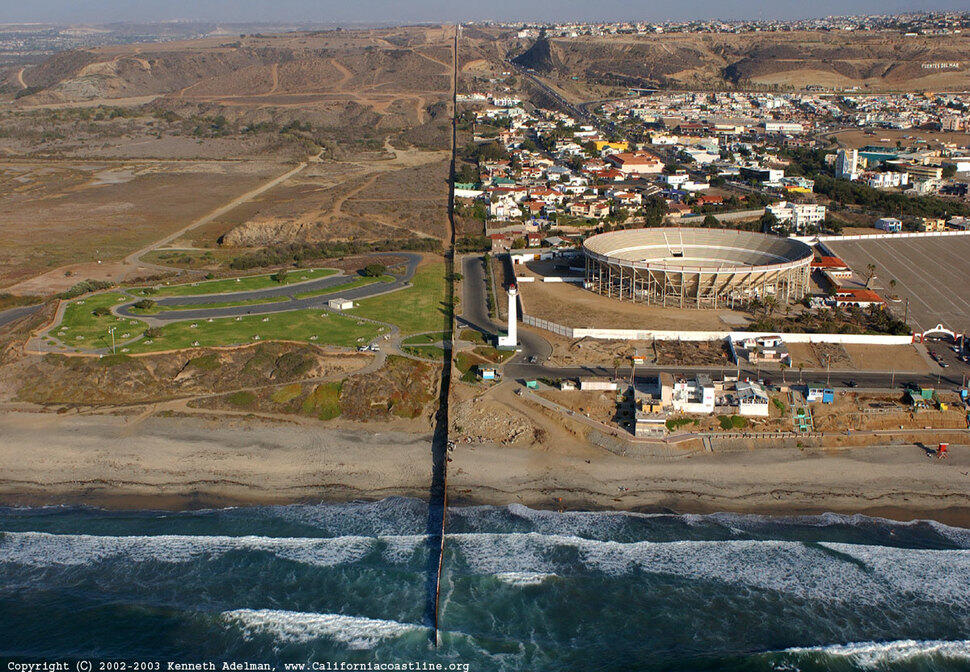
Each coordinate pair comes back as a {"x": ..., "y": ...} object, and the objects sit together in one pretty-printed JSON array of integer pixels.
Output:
[
  {"x": 357, "y": 632},
  {"x": 42, "y": 549}
]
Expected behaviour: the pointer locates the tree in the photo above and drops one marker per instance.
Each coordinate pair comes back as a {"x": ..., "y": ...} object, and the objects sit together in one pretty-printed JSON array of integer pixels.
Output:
[
  {"x": 768, "y": 221},
  {"x": 374, "y": 270},
  {"x": 870, "y": 273},
  {"x": 280, "y": 276},
  {"x": 711, "y": 222}
]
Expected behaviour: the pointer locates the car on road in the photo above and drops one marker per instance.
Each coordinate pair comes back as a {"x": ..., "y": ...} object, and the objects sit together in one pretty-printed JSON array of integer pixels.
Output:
[
  {"x": 533, "y": 359},
  {"x": 851, "y": 383}
]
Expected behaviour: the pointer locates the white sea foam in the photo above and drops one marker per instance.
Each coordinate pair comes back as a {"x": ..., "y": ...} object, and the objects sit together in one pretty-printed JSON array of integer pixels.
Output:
[
  {"x": 825, "y": 571},
  {"x": 524, "y": 578},
  {"x": 880, "y": 654},
  {"x": 357, "y": 632},
  {"x": 41, "y": 549}
]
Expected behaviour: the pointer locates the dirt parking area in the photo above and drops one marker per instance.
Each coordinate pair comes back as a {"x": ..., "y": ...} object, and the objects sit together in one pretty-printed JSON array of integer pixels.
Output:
[{"x": 900, "y": 358}]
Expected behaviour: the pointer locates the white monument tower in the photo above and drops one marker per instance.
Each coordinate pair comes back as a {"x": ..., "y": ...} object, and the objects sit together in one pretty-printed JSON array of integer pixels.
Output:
[{"x": 511, "y": 339}]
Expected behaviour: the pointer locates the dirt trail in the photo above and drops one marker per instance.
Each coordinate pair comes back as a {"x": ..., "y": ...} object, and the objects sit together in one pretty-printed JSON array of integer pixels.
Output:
[
  {"x": 133, "y": 258},
  {"x": 275, "y": 72},
  {"x": 346, "y": 75},
  {"x": 20, "y": 78}
]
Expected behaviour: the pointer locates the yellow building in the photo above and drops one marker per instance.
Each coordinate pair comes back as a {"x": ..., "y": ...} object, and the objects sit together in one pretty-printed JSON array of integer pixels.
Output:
[
  {"x": 618, "y": 146},
  {"x": 931, "y": 224}
]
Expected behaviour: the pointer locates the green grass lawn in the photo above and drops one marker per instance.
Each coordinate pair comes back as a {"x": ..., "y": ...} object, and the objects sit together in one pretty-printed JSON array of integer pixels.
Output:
[
  {"x": 417, "y": 309},
  {"x": 222, "y": 304},
  {"x": 243, "y": 284},
  {"x": 312, "y": 326},
  {"x": 83, "y": 329}
]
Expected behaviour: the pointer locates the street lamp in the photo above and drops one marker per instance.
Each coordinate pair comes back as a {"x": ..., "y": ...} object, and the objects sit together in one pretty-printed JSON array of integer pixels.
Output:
[{"x": 111, "y": 330}]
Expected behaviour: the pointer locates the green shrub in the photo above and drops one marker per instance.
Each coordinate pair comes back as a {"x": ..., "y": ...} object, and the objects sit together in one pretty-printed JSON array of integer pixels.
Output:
[{"x": 243, "y": 399}]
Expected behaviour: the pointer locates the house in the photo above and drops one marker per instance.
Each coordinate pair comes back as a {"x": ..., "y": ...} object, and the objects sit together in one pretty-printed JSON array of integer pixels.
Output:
[
  {"x": 889, "y": 224},
  {"x": 636, "y": 163},
  {"x": 799, "y": 215},
  {"x": 860, "y": 298},
  {"x": 647, "y": 423},
  {"x": 833, "y": 266},
  {"x": 760, "y": 349},
  {"x": 752, "y": 399},
  {"x": 567, "y": 385},
  {"x": 340, "y": 304},
  {"x": 819, "y": 392},
  {"x": 654, "y": 392},
  {"x": 486, "y": 373},
  {"x": 693, "y": 395}
]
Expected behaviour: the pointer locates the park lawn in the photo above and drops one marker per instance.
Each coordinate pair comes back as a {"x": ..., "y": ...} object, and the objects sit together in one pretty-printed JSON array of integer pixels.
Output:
[
  {"x": 81, "y": 328},
  {"x": 168, "y": 308},
  {"x": 297, "y": 325},
  {"x": 416, "y": 309},
  {"x": 242, "y": 284},
  {"x": 359, "y": 282}
]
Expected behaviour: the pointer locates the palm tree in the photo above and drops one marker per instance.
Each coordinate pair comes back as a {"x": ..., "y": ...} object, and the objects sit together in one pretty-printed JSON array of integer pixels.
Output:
[
  {"x": 892, "y": 286},
  {"x": 801, "y": 367},
  {"x": 870, "y": 273}
]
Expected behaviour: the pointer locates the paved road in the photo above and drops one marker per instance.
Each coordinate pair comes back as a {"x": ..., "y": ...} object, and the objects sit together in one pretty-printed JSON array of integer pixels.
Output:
[
  {"x": 314, "y": 302},
  {"x": 13, "y": 314},
  {"x": 875, "y": 380},
  {"x": 475, "y": 311}
]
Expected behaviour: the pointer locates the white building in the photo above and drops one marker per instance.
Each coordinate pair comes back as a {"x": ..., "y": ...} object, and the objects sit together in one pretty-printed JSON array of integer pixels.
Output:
[
  {"x": 847, "y": 164},
  {"x": 752, "y": 399},
  {"x": 783, "y": 127},
  {"x": 693, "y": 395},
  {"x": 799, "y": 215},
  {"x": 887, "y": 180},
  {"x": 340, "y": 304}
]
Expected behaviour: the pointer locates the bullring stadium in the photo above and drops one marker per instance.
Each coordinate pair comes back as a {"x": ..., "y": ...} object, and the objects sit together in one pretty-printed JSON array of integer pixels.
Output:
[{"x": 696, "y": 268}]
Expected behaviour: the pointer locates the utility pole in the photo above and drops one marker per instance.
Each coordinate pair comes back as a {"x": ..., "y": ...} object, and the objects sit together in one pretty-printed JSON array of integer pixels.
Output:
[{"x": 111, "y": 330}]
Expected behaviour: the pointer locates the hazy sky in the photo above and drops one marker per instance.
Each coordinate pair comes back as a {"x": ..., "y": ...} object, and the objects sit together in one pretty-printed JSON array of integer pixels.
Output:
[{"x": 100, "y": 11}]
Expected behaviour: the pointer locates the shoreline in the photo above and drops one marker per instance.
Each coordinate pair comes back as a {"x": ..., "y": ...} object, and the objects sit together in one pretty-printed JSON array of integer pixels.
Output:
[{"x": 119, "y": 462}]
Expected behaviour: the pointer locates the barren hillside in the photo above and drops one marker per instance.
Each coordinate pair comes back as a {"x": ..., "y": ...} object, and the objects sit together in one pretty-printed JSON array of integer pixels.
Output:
[{"x": 874, "y": 61}]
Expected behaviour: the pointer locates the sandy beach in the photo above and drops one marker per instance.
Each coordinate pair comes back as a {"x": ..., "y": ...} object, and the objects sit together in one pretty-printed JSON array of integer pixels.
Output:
[{"x": 117, "y": 461}]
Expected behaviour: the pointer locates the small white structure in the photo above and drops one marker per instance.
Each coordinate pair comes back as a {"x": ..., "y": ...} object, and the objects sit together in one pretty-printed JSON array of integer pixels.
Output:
[
  {"x": 511, "y": 339},
  {"x": 596, "y": 384},
  {"x": 752, "y": 399},
  {"x": 340, "y": 304},
  {"x": 693, "y": 395}
]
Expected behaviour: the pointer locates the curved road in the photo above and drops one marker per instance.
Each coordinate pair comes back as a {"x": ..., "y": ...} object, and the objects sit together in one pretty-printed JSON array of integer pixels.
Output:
[
  {"x": 13, "y": 314},
  {"x": 362, "y": 292},
  {"x": 474, "y": 313}
]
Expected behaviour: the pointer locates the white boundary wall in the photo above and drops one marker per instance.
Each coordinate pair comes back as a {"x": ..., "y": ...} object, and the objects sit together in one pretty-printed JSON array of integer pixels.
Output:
[
  {"x": 667, "y": 335},
  {"x": 809, "y": 240}
]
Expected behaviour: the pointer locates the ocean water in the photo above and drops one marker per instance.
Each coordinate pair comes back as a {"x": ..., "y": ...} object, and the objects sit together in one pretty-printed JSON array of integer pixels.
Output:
[{"x": 521, "y": 590}]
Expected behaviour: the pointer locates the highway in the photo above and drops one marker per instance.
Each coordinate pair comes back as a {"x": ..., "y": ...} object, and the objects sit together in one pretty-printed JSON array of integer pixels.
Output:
[{"x": 286, "y": 291}]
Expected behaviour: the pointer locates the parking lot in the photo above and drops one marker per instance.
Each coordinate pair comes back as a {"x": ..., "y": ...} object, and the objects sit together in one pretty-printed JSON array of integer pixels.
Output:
[{"x": 933, "y": 273}]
